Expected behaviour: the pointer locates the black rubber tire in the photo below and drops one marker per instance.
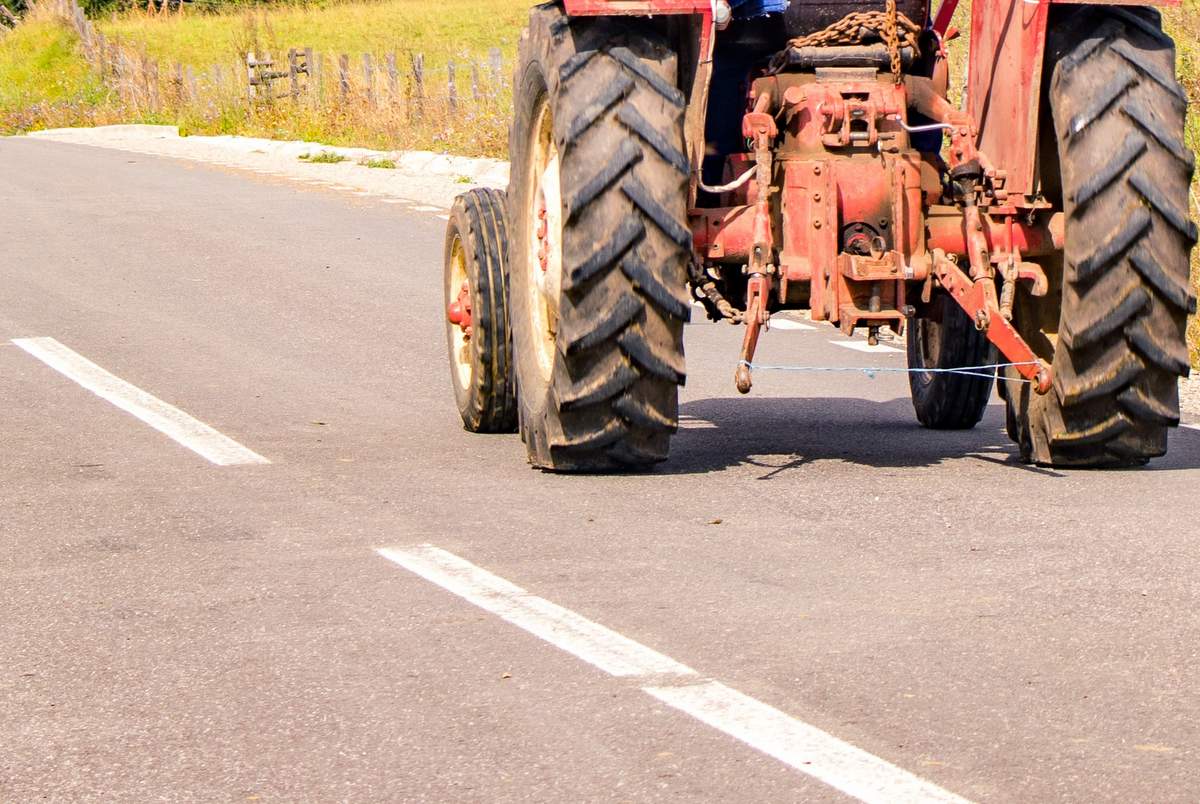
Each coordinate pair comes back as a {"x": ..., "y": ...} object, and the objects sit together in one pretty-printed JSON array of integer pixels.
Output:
[
  {"x": 487, "y": 400},
  {"x": 611, "y": 400},
  {"x": 948, "y": 339},
  {"x": 1119, "y": 345}
]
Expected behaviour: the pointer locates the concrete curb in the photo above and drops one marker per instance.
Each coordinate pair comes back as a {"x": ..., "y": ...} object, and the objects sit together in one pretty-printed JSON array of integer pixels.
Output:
[{"x": 467, "y": 170}]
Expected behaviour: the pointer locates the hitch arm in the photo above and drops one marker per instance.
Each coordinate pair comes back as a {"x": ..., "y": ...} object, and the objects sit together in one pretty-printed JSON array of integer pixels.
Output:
[{"x": 978, "y": 298}]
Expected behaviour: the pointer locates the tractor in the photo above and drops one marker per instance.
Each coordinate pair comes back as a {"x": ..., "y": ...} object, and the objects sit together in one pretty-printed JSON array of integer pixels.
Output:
[{"x": 677, "y": 155}]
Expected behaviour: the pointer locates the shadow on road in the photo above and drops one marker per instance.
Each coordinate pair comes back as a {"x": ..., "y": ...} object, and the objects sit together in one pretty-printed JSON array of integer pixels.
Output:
[{"x": 780, "y": 434}]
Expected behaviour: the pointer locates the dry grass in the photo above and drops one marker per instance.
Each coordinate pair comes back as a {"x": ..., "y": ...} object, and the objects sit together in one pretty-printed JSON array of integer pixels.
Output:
[
  {"x": 189, "y": 69},
  {"x": 43, "y": 81},
  {"x": 374, "y": 114},
  {"x": 1183, "y": 23},
  {"x": 442, "y": 30}
]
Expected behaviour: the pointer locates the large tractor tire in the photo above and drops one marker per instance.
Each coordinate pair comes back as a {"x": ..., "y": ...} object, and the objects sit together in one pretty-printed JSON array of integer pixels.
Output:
[
  {"x": 476, "y": 301},
  {"x": 1118, "y": 346},
  {"x": 949, "y": 340},
  {"x": 599, "y": 241}
]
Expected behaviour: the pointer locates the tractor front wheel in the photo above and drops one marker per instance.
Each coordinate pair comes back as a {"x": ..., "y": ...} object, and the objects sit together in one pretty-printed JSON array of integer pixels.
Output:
[
  {"x": 947, "y": 339},
  {"x": 599, "y": 241},
  {"x": 476, "y": 304}
]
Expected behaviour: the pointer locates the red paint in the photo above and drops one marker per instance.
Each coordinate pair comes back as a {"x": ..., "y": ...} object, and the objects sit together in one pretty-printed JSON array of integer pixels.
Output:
[
  {"x": 459, "y": 311},
  {"x": 978, "y": 298},
  {"x": 945, "y": 13},
  {"x": 1041, "y": 238}
]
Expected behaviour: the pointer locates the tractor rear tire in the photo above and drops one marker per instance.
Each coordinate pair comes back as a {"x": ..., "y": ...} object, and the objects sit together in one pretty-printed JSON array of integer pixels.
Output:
[
  {"x": 481, "y": 364},
  {"x": 600, "y": 241},
  {"x": 949, "y": 339},
  {"x": 1119, "y": 346}
]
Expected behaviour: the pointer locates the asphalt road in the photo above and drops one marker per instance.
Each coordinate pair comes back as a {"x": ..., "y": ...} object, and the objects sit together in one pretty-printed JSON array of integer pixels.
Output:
[{"x": 177, "y": 629}]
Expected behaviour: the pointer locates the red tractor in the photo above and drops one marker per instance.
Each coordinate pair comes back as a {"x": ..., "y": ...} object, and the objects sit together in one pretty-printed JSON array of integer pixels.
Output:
[{"x": 780, "y": 156}]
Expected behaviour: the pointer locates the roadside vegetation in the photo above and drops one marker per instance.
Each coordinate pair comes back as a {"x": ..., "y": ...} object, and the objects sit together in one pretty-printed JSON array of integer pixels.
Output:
[
  {"x": 199, "y": 75},
  {"x": 195, "y": 58},
  {"x": 44, "y": 82}
]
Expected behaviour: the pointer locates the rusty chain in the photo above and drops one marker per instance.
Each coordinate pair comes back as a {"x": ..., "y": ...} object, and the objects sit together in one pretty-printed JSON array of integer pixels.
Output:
[{"x": 895, "y": 29}]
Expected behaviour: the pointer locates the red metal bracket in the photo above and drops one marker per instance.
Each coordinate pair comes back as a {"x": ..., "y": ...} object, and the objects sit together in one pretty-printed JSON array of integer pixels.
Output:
[{"x": 978, "y": 298}]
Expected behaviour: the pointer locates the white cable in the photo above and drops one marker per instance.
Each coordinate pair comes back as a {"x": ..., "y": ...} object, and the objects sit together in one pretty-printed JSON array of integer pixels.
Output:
[{"x": 733, "y": 185}]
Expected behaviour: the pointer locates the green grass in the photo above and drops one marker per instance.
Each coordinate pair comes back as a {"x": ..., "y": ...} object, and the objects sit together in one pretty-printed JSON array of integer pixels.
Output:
[
  {"x": 44, "y": 81},
  {"x": 213, "y": 46},
  {"x": 323, "y": 158},
  {"x": 441, "y": 30},
  {"x": 384, "y": 164}
]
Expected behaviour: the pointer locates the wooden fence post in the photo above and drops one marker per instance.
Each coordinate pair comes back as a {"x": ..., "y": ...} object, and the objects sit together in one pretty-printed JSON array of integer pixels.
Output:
[
  {"x": 344, "y": 76},
  {"x": 251, "y": 90},
  {"x": 451, "y": 89},
  {"x": 267, "y": 94},
  {"x": 416, "y": 100},
  {"x": 293, "y": 73},
  {"x": 393, "y": 76},
  {"x": 102, "y": 55},
  {"x": 152, "y": 81},
  {"x": 318, "y": 76},
  {"x": 369, "y": 77}
]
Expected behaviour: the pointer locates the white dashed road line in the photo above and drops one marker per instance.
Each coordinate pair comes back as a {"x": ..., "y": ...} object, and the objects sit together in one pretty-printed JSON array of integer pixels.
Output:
[
  {"x": 787, "y": 323},
  {"x": 863, "y": 346},
  {"x": 167, "y": 419},
  {"x": 582, "y": 638},
  {"x": 804, "y": 747}
]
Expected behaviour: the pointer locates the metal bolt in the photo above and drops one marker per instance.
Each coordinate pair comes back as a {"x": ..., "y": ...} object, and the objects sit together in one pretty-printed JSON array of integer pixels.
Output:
[
  {"x": 817, "y": 223},
  {"x": 817, "y": 169},
  {"x": 816, "y": 196}
]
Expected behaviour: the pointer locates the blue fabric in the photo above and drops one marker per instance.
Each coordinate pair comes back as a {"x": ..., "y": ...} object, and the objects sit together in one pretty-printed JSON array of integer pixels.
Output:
[{"x": 744, "y": 9}]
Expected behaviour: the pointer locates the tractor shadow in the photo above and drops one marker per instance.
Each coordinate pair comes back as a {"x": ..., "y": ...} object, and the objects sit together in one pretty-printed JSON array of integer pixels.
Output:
[{"x": 781, "y": 434}]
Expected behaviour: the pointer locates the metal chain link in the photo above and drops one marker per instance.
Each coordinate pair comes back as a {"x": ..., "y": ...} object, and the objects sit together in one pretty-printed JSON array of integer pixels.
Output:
[{"x": 895, "y": 29}]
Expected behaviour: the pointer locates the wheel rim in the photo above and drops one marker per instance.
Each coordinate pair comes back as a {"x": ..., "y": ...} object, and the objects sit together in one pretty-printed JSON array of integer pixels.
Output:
[
  {"x": 544, "y": 260},
  {"x": 460, "y": 345}
]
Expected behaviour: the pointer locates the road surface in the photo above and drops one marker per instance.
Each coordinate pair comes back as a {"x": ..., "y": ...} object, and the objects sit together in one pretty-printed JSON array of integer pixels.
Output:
[{"x": 814, "y": 600}]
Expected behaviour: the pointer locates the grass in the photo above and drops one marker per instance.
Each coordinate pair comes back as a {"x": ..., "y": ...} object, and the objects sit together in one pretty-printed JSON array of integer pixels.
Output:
[
  {"x": 323, "y": 158},
  {"x": 44, "y": 81},
  {"x": 210, "y": 49},
  {"x": 384, "y": 164},
  {"x": 441, "y": 30}
]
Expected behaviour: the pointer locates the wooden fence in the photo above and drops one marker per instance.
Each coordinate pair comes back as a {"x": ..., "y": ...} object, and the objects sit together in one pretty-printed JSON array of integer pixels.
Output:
[{"x": 395, "y": 81}]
